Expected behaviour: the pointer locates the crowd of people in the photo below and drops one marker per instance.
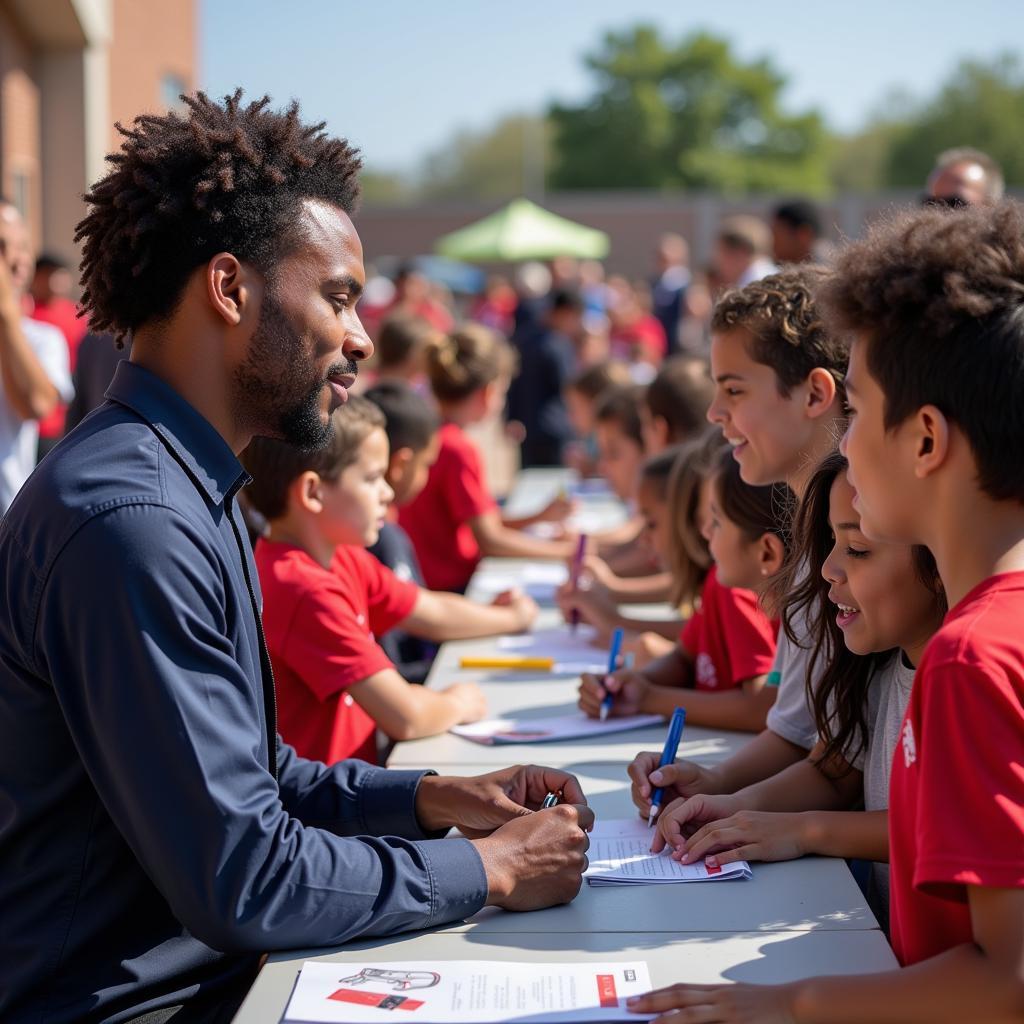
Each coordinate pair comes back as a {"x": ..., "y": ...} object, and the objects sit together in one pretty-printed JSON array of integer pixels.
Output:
[{"x": 818, "y": 448}]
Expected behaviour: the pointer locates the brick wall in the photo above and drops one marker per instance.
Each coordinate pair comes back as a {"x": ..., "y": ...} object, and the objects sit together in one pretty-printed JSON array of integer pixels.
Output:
[
  {"x": 151, "y": 44},
  {"x": 19, "y": 123}
]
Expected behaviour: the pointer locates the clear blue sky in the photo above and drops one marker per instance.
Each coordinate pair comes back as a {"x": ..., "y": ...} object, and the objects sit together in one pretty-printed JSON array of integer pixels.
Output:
[{"x": 399, "y": 77}]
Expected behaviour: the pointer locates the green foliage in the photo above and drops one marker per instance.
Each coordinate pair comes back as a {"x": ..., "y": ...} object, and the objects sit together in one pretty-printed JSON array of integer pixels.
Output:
[
  {"x": 503, "y": 162},
  {"x": 381, "y": 188},
  {"x": 981, "y": 105},
  {"x": 686, "y": 115},
  {"x": 689, "y": 114}
]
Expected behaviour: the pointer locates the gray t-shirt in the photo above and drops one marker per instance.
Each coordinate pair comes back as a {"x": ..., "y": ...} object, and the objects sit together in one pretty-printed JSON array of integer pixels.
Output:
[
  {"x": 791, "y": 716},
  {"x": 888, "y": 695}
]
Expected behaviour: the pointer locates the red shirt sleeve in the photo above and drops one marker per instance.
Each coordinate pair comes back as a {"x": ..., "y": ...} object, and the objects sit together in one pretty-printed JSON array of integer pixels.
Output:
[
  {"x": 389, "y": 599},
  {"x": 970, "y": 810},
  {"x": 327, "y": 646}
]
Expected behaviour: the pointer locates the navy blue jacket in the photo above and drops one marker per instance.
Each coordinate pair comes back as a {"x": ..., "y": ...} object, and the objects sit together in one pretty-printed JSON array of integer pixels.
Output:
[{"x": 148, "y": 853}]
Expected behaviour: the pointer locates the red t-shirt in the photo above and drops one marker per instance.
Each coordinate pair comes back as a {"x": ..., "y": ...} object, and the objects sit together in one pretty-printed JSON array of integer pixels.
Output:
[
  {"x": 956, "y": 793},
  {"x": 320, "y": 625},
  {"x": 63, "y": 314},
  {"x": 436, "y": 518},
  {"x": 729, "y": 638},
  {"x": 645, "y": 334}
]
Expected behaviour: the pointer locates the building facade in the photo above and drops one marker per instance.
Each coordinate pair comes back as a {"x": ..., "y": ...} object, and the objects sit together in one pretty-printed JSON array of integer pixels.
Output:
[{"x": 68, "y": 70}]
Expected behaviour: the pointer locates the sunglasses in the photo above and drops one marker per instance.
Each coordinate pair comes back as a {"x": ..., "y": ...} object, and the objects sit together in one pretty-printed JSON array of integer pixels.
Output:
[{"x": 949, "y": 202}]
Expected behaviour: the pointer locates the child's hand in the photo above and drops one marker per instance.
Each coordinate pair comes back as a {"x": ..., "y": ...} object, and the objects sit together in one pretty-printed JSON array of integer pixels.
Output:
[
  {"x": 556, "y": 511},
  {"x": 746, "y": 835},
  {"x": 469, "y": 700},
  {"x": 524, "y": 607},
  {"x": 645, "y": 647},
  {"x": 682, "y": 779},
  {"x": 627, "y": 687},
  {"x": 683, "y": 817},
  {"x": 597, "y": 569},
  {"x": 593, "y": 602}
]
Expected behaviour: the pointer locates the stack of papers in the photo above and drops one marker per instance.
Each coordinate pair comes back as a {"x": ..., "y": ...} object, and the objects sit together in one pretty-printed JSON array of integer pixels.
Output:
[
  {"x": 497, "y": 731},
  {"x": 620, "y": 854},
  {"x": 456, "y": 991}
]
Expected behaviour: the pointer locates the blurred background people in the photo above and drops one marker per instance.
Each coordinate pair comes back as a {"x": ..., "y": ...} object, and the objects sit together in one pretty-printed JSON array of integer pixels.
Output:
[
  {"x": 35, "y": 376},
  {"x": 964, "y": 177}
]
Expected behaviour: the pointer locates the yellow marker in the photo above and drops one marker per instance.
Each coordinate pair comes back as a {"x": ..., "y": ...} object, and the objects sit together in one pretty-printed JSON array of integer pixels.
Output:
[{"x": 524, "y": 664}]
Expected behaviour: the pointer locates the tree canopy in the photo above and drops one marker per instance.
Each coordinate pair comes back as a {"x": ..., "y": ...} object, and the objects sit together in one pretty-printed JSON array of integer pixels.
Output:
[
  {"x": 981, "y": 105},
  {"x": 687, "y": 114}
]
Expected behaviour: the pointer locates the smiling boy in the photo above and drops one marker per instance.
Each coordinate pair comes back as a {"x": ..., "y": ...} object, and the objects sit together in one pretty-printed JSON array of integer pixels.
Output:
[
  {"x": 778, "y": 376},
  {"x": 326, "y": 598}
]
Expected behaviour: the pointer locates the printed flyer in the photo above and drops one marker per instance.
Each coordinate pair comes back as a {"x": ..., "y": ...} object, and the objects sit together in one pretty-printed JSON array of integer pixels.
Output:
[{"x": 456, "y": 991}]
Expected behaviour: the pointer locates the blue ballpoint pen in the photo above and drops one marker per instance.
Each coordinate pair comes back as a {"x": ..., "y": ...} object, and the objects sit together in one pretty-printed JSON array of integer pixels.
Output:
[
  {"x": 613, "y": 657},
  {"x": 668, "y": 755}
]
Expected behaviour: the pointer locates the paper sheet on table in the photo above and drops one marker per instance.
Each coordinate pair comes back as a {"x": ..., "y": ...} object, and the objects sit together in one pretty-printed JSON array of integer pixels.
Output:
[
  {"x": 620, "y": 854},
  {"x": 572, "y": 653},
  {"x": 539, "y": 581},
  {"x": 455, "y": 991},
  {"x": 499, "y": 731},
  {"x": 585, "y": 520}
]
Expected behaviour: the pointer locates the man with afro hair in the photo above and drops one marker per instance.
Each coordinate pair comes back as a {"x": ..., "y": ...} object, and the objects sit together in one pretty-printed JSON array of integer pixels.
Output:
[{"x": 155, "y": 834}]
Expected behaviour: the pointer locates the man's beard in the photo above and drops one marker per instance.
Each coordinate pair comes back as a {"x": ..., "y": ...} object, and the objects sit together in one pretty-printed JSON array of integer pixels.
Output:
[{"x": 273, "y": 375}]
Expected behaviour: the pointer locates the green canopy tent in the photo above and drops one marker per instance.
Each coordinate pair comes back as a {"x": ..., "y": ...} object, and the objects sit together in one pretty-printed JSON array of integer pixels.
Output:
[{"x": 522, "y": 231}]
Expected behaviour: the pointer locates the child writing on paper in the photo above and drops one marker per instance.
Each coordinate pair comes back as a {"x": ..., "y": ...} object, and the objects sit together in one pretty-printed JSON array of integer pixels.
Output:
[
  {"x": 454, "y": 521},
  {"x": 727, "y": 647},
  {"x": 778, "y": 371},
  {"x": 325, "y": 596},
  {"x": 667, "y": 483},
  {"x": 934, "y": 302},
  {"x": 872, "y": 607},
  {"x": 671, "y": 410}
]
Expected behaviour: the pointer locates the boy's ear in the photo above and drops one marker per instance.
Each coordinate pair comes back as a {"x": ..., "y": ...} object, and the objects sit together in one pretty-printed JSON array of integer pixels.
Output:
[
  {"x": 306, "y": 492},
  {"x": 397, "y": 462},
  {"x": 771, "y": 554},
  {"x": 930, "y": 431},
  {"x": 821, "y": 392}
]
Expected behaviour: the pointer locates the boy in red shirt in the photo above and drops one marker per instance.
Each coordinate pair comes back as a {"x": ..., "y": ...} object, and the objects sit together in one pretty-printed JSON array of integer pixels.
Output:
[
  {"x": 935, "y": 304},
  {"x": 326, "y": 598}
]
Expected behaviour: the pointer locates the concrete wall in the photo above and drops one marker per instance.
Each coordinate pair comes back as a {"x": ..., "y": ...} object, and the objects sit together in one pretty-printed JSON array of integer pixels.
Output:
[{"x": 633, "y": 220}]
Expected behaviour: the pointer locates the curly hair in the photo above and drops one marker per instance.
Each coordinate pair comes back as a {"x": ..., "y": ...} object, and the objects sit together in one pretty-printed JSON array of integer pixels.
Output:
[
  {"x": 466, "y": 360},
  {"x": 787, "y": 333},
  {"x": 224, "y": 177},
  {"x": 938, "y": 296}
]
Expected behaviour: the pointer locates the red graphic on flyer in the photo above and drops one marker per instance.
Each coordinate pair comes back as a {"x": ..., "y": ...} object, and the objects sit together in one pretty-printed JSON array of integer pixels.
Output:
[
  {"x": 400, "y": 980},
  {"x": 606, "y": 990}
]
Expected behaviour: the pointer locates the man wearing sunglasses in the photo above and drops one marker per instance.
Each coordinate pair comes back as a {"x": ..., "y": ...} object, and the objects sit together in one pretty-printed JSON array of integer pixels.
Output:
[{"x": 963, "y": 177}]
